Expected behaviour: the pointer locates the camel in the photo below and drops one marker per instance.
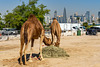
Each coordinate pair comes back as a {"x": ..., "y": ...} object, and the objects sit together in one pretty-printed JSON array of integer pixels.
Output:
[
  {"x": 47, "y": 41},
  {"x": 55, "y": 31},
  {"x": 30, "y": 30}
]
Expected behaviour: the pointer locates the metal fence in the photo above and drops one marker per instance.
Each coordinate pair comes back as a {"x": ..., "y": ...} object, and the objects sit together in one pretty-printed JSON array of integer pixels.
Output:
[{"x": 9, "y": 36}]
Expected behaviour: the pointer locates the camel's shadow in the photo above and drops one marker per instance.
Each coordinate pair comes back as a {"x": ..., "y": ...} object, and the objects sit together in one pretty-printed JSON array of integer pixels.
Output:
[{"x": 28, "y": 56}]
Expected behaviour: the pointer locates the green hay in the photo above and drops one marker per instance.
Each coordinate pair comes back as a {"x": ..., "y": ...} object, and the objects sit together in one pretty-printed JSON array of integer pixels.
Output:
[{"x": 54, "y": 52}]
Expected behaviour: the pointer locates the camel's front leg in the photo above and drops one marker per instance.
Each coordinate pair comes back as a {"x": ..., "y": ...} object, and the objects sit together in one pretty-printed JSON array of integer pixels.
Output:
[
  {"x": 57, "y": 41},
  {"x": 41, "y": 40},
  {"x": 53, "y": 39}
]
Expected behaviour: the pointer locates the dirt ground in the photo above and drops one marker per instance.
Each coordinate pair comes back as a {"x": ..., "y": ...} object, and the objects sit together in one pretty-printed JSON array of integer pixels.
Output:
[{"x": 84, "y": 51}]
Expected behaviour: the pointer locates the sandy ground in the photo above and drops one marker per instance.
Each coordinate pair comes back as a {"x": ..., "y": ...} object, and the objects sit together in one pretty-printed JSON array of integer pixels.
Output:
[{"x": 84, "y": 51}]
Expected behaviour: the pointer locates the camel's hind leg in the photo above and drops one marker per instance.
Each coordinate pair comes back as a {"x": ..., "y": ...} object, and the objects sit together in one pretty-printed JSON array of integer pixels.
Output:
[
  {"x": 21, "y": 49},
  {"x": 32, "y": 43},
  {"x": 41, "y": 40},
  {"x": 26, "y": 46}
]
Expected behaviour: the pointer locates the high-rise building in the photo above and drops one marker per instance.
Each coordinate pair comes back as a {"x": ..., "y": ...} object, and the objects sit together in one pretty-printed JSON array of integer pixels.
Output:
[
  {"x": 82, "y": 18},
  {"x": 51, "y": 20},
  {"x": 98, "y": 17},
  {"x": 87, "y": 15},
  {"x": 92, "y": 19},
  {"x": 47, "y": 19},
  {"x": 73, "y": 19},
  {"x": 60, "y": 19},
  {"x": 64, "y": 16},
  {"x": 99, "y": 14},
  {"x": 55, "y": 14},
  {"x": 76, "y": 14}
]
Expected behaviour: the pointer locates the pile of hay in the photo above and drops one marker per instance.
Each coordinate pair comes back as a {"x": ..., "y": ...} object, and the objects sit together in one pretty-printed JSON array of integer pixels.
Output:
[{"x": 52, "y": 51}]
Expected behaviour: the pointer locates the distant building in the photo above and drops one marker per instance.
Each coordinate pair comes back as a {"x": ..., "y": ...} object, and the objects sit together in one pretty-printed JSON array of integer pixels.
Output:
[
  {"x": 60, "y": 19},
  {"x": 92, "y": 18},
  {"x": 85, "y": 19},
  {"x": 47, "y": 19},
  {"x": 98, "y": 17},
  {"x": 55, "y": 14},
  {"x": 99, "y": 14},
  {"x": 73, "y": 19},
  {"x": 51, "y": 20},
  {"x": 97, "y": 20},
  {"x": 64, "y": 16},
  {"x": 76, "y": 14},
  {"x": 87, "y": 15},
  {"x": 82, "y": 18}
]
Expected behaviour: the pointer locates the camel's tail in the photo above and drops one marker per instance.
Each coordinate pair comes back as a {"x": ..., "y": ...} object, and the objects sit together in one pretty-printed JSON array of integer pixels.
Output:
[
  {"x": 25, "y": 35},
  {"x": 22, "y": 35}
]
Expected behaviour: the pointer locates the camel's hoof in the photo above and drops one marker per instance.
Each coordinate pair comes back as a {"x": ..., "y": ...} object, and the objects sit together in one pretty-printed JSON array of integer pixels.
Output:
[
  {"x": 41, "y": 59},
  {"x": 25, "y": 63},
  {"x": 30, "y": 61},
  {"x": 21, "y": 63}
]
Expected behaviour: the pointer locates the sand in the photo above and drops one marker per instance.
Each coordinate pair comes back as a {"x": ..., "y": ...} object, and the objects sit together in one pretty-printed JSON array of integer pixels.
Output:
[{"x": 84, "y": 51}]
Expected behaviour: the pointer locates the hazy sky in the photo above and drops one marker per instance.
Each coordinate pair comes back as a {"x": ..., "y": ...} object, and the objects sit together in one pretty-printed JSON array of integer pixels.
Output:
[{"x": 72, "y": 6}]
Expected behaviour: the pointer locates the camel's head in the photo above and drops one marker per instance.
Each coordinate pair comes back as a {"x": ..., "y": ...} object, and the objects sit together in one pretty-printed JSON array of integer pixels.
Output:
[
  {"x": 57, "y": 44},
  {"x": 47, "y": 41}
]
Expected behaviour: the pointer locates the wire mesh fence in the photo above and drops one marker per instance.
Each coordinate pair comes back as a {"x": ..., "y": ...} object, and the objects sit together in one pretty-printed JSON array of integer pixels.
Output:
[{"x": 5, "y": 37}]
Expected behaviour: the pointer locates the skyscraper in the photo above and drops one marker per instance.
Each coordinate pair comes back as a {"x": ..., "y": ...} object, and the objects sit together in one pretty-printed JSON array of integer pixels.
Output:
[
  {"x": 60, "y": 18},
  {"x": 55, "y": 14},
  {"x": 98, "y": 17},
  {"x": 99, "y": 14},
  {"x": 47, "y": 19},
  {"x": 87, "y": 15},
  {"x": 82, "y": 18},
  {"x": 71, "y": 19},
  {"x": 64, "y": 16},
  {"x": 92, "y": 18},
  {"x": 76, "y": 14}
]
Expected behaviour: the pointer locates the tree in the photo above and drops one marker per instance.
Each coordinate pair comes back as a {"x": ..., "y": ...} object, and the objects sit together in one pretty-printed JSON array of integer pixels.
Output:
[
  {"x": 85, "y": 24},
  {"x": 93, "y": 24},
  {"x": 42, "y": 13},
  {"x": 7, "y": 11},
  {"x": 21, "y": 13},
  {"x": 1, "y": 23}
]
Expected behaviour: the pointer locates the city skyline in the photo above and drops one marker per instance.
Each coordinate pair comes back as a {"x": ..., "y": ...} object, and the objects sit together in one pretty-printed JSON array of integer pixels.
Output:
[
  {"x": 72, "y": 6},
  {"x": 87, "y": 17}
]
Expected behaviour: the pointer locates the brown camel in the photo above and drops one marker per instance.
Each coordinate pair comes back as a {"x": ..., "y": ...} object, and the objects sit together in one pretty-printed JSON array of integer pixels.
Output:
[
  {"x": 55, "y": 31},
  {"x": 32, "y": 29},
  {"x": 47, "y": 41}
]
